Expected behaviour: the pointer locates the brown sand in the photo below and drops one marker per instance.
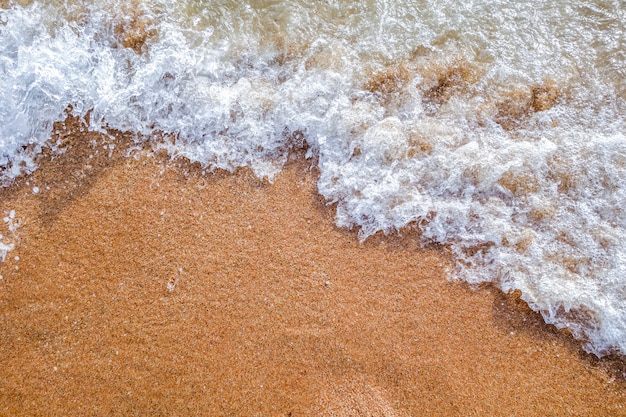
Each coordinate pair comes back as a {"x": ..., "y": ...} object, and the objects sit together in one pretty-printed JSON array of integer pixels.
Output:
[{"x": 146, "y": 288}]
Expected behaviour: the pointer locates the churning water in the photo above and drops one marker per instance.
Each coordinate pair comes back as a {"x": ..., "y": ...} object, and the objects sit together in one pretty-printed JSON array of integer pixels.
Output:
[{"x": 495, "y": 127}]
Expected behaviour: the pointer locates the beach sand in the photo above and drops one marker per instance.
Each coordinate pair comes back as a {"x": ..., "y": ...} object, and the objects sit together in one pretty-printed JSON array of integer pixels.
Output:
[{"x": 140, "y": 286}]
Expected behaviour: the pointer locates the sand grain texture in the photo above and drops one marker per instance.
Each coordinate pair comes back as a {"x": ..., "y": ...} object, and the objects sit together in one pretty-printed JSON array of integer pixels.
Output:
[{"x": 144, "y": 287}]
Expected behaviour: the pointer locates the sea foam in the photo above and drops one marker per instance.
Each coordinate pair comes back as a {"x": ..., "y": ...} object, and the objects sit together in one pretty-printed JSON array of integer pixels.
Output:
[{"x": 495, "y": 129}]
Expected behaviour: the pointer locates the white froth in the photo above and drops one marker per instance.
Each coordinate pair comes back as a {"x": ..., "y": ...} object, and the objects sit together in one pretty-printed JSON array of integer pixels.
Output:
[
  {"x": 496, "y": 128},
  {"x": 8, "y": 238},
  {"x": 4, "y": 249}
]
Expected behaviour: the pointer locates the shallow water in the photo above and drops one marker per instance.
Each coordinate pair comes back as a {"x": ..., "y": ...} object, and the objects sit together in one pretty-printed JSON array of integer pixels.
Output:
[{"x": 497, "y": 128}]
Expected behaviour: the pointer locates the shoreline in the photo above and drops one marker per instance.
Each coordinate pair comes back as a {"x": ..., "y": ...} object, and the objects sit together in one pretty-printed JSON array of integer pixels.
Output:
[{"x": 143, "y": 286}]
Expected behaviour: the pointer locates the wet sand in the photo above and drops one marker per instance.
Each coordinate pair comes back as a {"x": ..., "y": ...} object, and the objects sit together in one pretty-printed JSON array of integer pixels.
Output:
[{"x": 140, "y": 286}]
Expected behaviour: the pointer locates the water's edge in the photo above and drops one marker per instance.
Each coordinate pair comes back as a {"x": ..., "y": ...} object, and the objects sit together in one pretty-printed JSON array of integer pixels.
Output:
[{"x": 508, "y": 147}]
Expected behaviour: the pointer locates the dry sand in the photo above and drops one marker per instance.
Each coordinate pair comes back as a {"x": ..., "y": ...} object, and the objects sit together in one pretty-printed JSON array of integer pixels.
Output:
[{"x": 142, "y": 287}]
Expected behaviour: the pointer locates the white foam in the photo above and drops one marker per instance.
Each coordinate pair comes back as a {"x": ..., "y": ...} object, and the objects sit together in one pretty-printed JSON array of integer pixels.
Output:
[
  {"x": 500, "y": 138},
  {"x": 4, "y": 249},
  {"x": 7, "y": 241}
]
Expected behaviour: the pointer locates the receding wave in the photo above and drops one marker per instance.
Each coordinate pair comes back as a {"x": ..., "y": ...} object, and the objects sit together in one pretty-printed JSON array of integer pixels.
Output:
[{"x": 496, "y": 128}]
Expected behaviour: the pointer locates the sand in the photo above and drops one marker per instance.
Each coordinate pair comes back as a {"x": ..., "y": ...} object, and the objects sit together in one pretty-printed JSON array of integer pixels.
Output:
[{"x": 141, "y": 286}]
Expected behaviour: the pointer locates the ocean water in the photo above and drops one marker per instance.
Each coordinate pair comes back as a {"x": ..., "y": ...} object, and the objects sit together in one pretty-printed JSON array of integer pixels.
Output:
[{"x": 496, "y": 128}]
